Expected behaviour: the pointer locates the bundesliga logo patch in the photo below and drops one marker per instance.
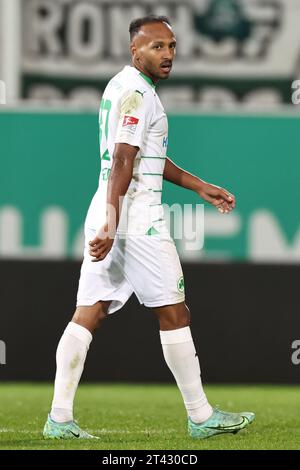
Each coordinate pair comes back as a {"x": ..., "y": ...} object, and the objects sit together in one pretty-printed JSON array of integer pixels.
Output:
[{"x": 130, "y": 123}]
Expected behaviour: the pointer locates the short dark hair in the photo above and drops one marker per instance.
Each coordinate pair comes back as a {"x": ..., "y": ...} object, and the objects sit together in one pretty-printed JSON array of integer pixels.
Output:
[{"x": 136, "y": 24}]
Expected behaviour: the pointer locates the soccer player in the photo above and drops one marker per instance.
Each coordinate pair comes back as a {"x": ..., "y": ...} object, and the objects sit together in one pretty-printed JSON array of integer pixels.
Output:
[{"x": 128, "y": 247}]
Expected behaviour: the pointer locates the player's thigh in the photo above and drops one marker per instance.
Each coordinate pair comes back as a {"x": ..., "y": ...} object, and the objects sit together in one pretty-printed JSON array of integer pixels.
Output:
[
  {"x": 102, "y": 281},
  {"x": 152, "y": 266}
]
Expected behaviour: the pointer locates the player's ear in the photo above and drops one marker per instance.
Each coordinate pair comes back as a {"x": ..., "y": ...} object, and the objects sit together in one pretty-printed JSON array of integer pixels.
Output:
[{"x": 134, "y": 52}]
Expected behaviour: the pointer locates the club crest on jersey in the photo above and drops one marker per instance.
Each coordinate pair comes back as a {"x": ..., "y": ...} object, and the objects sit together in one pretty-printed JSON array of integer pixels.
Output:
[{"x": 130, "y": 123}]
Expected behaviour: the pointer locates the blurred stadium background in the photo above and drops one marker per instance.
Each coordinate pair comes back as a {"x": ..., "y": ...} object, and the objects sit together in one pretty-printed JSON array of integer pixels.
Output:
[{"x": 232, "y": 121}]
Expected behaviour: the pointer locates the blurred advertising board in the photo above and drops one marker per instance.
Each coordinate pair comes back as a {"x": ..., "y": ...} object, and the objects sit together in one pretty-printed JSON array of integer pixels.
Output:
[
  {"x": 50, "y": 168},
  {"x": 229, "y": 51}
]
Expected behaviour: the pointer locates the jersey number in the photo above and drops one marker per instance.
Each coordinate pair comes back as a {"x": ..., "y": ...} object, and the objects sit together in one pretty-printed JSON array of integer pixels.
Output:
[{"x": 105, "y": 107}]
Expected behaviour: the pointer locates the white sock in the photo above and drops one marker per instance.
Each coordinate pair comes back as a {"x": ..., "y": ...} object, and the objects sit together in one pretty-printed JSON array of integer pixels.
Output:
[
  {"x": 181, "y": 357},
  {"x": 70, "y": 357}
]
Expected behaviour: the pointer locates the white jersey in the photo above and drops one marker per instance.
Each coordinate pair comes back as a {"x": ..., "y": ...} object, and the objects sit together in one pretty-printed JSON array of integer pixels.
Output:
[{"x": 131, "y": 112}]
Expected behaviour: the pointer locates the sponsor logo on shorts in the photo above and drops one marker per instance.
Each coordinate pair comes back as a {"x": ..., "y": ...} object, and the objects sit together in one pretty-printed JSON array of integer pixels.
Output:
[{"x": 180, "y": 284}]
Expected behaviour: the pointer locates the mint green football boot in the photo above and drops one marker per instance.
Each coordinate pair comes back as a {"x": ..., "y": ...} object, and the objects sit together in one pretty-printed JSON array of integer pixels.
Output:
[
  {"x": 69, "y": 430},
  {"x": 220, "y": 422}
]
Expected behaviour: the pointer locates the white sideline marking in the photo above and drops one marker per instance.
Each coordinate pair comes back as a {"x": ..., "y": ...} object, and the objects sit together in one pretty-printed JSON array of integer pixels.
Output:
[{"x": 94, "y": 431}]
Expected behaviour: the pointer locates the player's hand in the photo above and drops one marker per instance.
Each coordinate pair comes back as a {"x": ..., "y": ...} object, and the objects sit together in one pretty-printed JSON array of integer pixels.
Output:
[
  {"x": 101, "y": 245},
  {"x": 218, "y": 197}
]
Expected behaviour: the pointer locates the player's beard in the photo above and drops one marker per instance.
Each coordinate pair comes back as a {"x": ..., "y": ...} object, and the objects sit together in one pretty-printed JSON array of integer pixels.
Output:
[{"x": 157, "y": 73}]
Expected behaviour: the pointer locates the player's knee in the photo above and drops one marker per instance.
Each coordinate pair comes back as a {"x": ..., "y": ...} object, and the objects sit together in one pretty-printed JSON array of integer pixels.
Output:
[
  {"x": 91, "y": 317},
  {"x": 173, "y": 317},
  {"x": 100, "y": 312},
  {"x": 99, "y": 315},
  {"x": 184, "y": 317}
]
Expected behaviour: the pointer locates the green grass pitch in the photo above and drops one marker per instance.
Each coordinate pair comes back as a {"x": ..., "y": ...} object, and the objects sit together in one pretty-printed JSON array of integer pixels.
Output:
[{"x": 149, "y": 417}]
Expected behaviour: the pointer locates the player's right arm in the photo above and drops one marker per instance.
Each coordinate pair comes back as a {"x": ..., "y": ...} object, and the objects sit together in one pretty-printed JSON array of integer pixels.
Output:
[
  {"x": 118, "y": 183},
  {"x": 135, "y": 112}
]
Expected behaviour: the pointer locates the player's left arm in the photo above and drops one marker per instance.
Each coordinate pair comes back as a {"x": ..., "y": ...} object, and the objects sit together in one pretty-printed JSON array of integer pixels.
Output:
[{"x": 218, "y": 197}]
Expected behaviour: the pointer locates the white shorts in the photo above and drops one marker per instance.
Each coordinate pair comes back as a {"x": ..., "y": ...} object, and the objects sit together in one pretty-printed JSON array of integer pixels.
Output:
[{"x": 147, "y": 265}]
